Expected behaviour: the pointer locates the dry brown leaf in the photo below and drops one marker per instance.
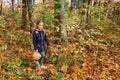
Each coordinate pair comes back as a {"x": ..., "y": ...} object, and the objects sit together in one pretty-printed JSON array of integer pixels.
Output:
[
  {"x": 64, "y": 68},
  {"x": 74, "y": 76}
]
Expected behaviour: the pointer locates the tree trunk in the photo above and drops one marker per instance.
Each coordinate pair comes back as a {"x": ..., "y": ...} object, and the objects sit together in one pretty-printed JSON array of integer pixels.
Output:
[
  {"x": 88, "y": 15},
  {"x": 62, "y": 21},
  {"x": 75, "y": 4},
  {"x": 31, "y": 14},
  {"x": 43, "y": 1},
  {"x": 43, "y": 12},
  {"x": 33, "y": 2},
  {"x": 13, "y": 5},
  {"x": 1, "y": 4},
  {"x": 18, "y": 2},
  {"x": 92, "y": 2},
  {"x": 24, "y": 14},
  {"x": 59, "y": 19}
]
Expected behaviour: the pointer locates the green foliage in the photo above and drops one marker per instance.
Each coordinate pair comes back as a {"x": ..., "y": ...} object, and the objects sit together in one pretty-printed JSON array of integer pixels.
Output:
[
  {"x": 2, "y": 23},
  {"x": 59, "y": 59},
  {"x": 31, "y": 7},
  {"x": 46, "y": 17},
  {"x": 57, "y": 39},
  {"x": 59, "y": 76},
  {"x": 69, "y": 61},
  {"x": 18, "y": 73},
  {"x": 24, "y": 62},
  {"x": 80, "y": 78},
  {"x": 10, "y": 66},
  {"x": 6, "y": 74},
  {"x": 12, "y": 13},
  {"x": 19, "y": 33},
  {"x": 57, "y": 2},
  {"x": 21, "y": 79},
  {"x": 35, "y": 78},
  {"x": 47, "y": 57},
  {"x": 99, "y": 19},
  {"x": 66, "y": 3},
  {"x": 80, "y": 39},
  {"x": 9, "y": 32},
  {"x": 27, "y": 77}
]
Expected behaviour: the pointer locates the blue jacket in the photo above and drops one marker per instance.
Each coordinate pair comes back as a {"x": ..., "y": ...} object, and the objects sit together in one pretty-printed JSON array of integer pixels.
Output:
[{"x": 38, "y": 40}]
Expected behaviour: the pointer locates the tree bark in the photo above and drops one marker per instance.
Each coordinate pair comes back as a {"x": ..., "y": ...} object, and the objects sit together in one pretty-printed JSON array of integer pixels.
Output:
[
  {"x": 75, "y": 4},
  {"x": 62, "y": 22},
  {"x": 31, "y": 14},
  {"x": 33, "y": 2},
  {"x": 18, "y": 2},
  {"x": 13, "y": 4},
  {"x": 24, "y": 14},
  {"x": 43, "y": 12},
  {"x": 88, "y": 15},
  {"x": 1, "y": 4},
  {"x": 43, "y": 1}
]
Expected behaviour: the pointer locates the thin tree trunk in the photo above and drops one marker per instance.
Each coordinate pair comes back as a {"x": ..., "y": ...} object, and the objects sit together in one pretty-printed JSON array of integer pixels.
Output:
[
  {"x": 1, "y": 4},
  {"x": 18, "y": 1},
  {"x": 72, "y": 4},
  {"x": 31, "y": 14},
  {"x": 93, "y": 2},
  {"x": 75, "y": 4},
  {"x": 33, "y": 2},
  {"x": 13, "y": 5},
  {"x": 62, "y": 21},
  {"x": 43, "y": 1},
  {"x": 88, "y": 16},
  {"x": 24, "y": 14}
]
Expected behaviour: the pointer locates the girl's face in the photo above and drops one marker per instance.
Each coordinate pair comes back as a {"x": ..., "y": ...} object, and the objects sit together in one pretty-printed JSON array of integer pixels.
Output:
[{"x": 40, "y": 26}]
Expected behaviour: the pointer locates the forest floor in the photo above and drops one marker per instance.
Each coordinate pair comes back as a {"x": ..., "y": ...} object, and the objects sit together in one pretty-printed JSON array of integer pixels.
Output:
[{"x": 87, "y": 55}]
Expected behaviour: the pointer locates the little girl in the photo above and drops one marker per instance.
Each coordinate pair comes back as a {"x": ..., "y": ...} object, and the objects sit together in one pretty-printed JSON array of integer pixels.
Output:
[{"x": 39, "y": 36}]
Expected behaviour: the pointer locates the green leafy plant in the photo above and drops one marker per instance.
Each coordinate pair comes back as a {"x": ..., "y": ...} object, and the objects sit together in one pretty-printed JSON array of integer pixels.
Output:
[
  {"x": 59, "y": 76},
  {"x": 24, "y": 62},
  {"x": 59, "y": 59},
  {"x": 2, "y": 23}
]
